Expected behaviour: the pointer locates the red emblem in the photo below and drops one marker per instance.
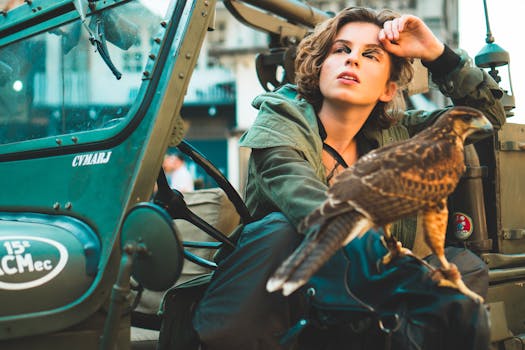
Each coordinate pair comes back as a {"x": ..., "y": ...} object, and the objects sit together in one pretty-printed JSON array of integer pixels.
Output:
[{"x": 463, "y": 225}]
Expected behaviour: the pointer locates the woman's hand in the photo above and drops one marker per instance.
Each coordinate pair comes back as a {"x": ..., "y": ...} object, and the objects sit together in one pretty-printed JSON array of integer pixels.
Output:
[{"x": 409, "y": 36}]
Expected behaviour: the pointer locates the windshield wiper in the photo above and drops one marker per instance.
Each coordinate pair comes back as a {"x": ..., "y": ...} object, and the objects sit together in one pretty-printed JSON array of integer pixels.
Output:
[
  {"x": 98, "y": 39},
  {"x": 97, "y": 36}
]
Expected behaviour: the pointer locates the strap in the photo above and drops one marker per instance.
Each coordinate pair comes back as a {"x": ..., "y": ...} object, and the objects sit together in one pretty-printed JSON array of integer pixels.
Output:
[{"x": 335, "y": 155}]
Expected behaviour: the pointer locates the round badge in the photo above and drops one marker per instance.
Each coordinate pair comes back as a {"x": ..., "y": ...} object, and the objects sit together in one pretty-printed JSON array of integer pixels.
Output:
[{"x": 463, "y": 225}]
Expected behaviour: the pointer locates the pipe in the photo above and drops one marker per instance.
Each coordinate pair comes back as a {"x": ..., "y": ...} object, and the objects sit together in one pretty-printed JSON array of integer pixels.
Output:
[{"x": 292, "y": 10}]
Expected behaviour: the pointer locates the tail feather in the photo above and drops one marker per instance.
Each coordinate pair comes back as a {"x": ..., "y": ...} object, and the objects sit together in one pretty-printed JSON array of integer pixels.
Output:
[
  {"x": 315, "y": 252},
  {"x": 287, "y": 268},
  {"x": 322, "y": 215}
]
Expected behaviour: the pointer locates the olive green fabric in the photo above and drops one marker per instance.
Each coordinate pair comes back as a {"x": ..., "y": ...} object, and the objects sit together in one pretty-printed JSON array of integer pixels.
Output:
[
  {"x": 285, "y": 171},
  {"x": 215, "y": 208}
]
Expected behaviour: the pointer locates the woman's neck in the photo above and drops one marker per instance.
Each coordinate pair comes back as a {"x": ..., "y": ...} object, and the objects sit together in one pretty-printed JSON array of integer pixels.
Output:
[{"x": 342, "y": 125}]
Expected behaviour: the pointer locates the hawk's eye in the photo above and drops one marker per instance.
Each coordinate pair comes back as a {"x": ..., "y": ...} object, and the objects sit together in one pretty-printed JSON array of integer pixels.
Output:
[{"x": 467, "y": 117}]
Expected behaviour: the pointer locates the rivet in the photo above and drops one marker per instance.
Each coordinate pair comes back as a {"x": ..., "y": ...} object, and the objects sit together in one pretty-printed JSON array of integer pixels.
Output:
[
  {"x": 157, "y": 40},
  {"x": 204, "y": 13},
  {"x": 74, "y": 139},
  {"x": 146, "y": 73},
  {"x": 181, "y": 75},
  {"x": 163, "y": 24},
  {"x": 58, "y": 141},
  {"x": 56, "y": 206},
  {"x": 188, "y": 55},
  {"x": 152, "y": 56},
  {"x": 68, "y": 205},
  {"x": 206, "y": 3},
  {"x": 310, "y": 292}
]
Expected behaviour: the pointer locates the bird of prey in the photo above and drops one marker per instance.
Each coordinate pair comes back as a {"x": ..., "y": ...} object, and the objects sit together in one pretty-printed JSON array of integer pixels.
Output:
[{"x": 398, "y": 180}]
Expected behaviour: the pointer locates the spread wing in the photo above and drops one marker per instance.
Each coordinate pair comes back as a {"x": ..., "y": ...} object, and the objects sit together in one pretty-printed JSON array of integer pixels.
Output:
[{"x": 394, "y": 181}]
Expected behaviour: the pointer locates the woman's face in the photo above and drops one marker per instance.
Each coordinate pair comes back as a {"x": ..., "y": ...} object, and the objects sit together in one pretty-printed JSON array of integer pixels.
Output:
[{"x": 356, "y": 70}]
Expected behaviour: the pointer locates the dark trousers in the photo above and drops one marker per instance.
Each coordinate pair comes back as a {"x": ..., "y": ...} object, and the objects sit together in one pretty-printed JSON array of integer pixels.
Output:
[{"x": 237, "y": 312}]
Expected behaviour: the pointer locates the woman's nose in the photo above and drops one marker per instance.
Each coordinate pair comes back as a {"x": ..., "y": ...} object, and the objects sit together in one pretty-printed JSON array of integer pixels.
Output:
[{"x": 352, "y": 59}]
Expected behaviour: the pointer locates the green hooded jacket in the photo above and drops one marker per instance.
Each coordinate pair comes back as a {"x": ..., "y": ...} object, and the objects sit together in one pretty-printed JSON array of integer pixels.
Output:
[{"x": 285, "y": 171}]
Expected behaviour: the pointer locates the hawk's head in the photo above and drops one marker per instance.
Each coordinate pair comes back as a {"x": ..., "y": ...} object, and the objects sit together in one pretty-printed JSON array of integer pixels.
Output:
[{"x": 465, "y": 121}]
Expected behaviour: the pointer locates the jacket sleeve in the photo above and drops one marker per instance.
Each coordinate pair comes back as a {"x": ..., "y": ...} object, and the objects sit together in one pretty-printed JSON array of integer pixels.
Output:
[
  {"x": 465, "y": 85},
  {"x": 285, "y": 177}
]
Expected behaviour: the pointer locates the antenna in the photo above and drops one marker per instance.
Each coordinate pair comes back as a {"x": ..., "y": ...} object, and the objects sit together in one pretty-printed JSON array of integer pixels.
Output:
[
  {"x": 490, "y": 38},
  {"x": 491, "y": 56}
]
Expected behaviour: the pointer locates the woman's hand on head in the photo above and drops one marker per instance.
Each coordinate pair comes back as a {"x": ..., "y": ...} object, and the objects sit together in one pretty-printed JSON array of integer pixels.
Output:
[{"x": 409, "y": 36}]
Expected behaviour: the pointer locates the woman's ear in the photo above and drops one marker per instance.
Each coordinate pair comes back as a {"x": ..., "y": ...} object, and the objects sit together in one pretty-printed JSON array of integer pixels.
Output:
[{"x": 389, "y": 93}]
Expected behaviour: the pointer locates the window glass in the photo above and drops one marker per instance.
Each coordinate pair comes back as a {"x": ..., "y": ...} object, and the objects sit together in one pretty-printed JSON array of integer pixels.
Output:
[{"x": 57, "y": 82}]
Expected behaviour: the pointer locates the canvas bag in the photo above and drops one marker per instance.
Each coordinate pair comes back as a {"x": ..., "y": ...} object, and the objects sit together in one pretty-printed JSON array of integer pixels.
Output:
[{"x": 397, "y": 306}]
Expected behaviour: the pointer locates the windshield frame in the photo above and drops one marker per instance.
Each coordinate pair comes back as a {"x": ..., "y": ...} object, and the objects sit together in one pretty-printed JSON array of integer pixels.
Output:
[{"x": 23, "y": 24}]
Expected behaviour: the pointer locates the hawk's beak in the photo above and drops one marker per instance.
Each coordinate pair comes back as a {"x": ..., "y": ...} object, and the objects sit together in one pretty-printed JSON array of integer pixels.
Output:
[{"x": 482, "y": 126}]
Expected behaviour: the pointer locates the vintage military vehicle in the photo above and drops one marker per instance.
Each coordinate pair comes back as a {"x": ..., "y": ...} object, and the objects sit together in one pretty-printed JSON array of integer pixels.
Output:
[{"x": 81, "y": 148}]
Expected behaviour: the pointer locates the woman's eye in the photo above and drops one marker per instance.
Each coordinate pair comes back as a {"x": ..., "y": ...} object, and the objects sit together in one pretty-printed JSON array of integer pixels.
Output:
[
  {"x": 371, "y": 55},
  {"x": 342, "y": 49}
]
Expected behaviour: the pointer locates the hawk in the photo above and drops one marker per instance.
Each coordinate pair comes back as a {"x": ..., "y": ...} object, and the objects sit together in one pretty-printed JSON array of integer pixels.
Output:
[{"x": 398, "y": 180}]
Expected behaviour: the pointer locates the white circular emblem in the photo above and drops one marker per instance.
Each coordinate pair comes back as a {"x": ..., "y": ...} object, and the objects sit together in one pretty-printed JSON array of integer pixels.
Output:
[{"x": 16, "y": 259}]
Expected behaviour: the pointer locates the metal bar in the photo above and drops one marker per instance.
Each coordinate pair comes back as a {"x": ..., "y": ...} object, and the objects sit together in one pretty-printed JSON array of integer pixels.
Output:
[
  {"x": 292, "y": 10},
  {"x": 119, "y": 299},
  {"x": 203, "y": 245},
  {"x": 504, "y": 275},
  {"x": 513, "y": 234},
  {"x": 494, "y": 260},
  {"x": 511, "y": 146},
  {"x": 199, "y": 261}
]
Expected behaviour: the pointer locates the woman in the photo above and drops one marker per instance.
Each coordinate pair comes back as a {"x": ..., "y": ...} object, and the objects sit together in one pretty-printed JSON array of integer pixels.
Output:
[{"x": 347, "y": 74}]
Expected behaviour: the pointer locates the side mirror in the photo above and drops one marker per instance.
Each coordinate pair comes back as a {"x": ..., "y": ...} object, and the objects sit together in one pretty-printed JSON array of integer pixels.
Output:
[{"x": 157, "y": 263}]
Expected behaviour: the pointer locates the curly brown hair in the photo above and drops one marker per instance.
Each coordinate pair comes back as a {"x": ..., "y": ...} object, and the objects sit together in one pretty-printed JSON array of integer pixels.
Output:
[{"x": 313, "y": 50}]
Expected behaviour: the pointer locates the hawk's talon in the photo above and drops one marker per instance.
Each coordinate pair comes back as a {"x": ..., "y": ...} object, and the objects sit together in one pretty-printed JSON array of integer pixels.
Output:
[
  {"x": 452, "y": 279},
  {"x": 437, "y": 276},
  {"x": 387, "y": 259},
  {"x": 396, "y": 250}
]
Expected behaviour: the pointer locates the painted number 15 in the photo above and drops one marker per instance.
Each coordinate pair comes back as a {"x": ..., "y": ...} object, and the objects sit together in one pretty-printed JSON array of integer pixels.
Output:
[{"x": 16, "y": 247}]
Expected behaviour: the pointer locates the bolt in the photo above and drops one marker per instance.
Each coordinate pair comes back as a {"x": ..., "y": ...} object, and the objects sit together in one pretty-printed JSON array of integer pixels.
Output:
[
  {"x": 142, "y": 250},
  {"x": 68, "y": 206},
  {"x": 56, "y": 206},
  {"x": 129, "y": 248},
  {"x": 310, "y": 292}
]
